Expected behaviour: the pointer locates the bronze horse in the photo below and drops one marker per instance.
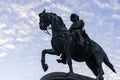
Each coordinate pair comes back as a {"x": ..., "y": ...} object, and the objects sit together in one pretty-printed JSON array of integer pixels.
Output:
[{"x": 63, "y": 43}]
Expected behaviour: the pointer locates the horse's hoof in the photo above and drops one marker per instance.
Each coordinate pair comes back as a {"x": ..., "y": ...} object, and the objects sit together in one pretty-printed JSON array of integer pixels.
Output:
[
  {"x": 69, "y": 74},
  {"x": 45, "y": 67},
  {"x": 97, "y": 79},
  {"x": 61, "y": 61}
]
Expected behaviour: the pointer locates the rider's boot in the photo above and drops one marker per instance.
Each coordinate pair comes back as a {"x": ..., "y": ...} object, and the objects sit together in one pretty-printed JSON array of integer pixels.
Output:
[{"x": 79, "y": 39}]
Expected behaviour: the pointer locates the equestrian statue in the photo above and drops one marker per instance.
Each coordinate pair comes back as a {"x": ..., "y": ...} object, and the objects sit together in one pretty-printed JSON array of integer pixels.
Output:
[{"x": 72, "y": 44}]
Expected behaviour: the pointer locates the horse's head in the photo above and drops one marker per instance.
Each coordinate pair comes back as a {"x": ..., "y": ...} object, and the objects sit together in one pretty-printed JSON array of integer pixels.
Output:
[
  {"x": 44, "y": 20},
  {"x": 52, "y": 19}
]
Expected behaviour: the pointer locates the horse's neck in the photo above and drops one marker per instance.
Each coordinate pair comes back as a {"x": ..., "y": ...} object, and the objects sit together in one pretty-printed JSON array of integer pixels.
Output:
[
  {"x": 57, "y": 31},
  {"x": 58, "y": 27}
]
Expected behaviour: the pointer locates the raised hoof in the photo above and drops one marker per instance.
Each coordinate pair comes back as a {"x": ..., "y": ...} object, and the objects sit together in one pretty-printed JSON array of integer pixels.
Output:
[
  {"x": 69, "y": 73},
  {"x": 45, "y": 67},
  {"x": 61, "y": 61},
  {"x": 99, "y": 78}
]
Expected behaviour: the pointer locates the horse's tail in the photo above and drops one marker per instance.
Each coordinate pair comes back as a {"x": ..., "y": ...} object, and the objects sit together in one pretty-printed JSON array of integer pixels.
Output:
[{"x": 108, "y": 63}]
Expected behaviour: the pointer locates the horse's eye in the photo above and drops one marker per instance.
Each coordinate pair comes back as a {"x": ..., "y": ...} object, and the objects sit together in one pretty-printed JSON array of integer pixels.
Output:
[{"x": 41, "y": 19}]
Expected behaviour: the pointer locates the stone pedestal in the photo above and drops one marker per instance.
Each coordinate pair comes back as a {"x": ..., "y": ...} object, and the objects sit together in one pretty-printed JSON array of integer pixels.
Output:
[{"x": 65, "y": 76}]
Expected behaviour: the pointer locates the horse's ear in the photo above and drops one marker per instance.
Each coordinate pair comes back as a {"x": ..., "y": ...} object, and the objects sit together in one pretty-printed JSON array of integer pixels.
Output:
[
  {"x": 44, "y": 11},
  {"x": 39, "y": 14}
]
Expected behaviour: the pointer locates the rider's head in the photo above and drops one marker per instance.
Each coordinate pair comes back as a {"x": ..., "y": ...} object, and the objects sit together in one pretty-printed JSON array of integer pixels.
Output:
[{"x": 74, "y": 17}]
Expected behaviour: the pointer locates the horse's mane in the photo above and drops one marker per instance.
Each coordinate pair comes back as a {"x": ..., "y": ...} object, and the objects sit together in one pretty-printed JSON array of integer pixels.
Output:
[
  {"x": 59, "y": 18},
  {"x": 53, "y": 14}
]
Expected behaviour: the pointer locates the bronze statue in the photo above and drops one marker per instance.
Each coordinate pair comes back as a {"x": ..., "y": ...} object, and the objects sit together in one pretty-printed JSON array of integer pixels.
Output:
[
  {"x": 76, "y": 29},
  {"x": 79, "y": 35},
  {"x": 64, "y": 43}
]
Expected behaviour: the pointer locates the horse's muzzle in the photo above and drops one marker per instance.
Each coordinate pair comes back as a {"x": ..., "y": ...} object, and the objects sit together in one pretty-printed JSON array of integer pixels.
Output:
[{"x": 42, "y": 27}]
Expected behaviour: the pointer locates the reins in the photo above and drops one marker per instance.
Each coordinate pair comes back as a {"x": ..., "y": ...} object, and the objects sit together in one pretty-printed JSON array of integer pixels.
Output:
[{"x": 47, "y": 32}]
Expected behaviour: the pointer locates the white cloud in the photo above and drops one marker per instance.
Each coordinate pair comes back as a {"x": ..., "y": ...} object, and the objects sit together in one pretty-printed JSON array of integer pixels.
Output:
[
  {"x": 21, "y": 29},
  {"x": 2, "y": 25},
  {"x": 101, "y": 4},
  {"x": 111, "y": 4},
  {"x": 2, "y": 41},
  {"x": 86, "y": 13},
  {"x": 22, "y": 15},
  {"x": 59, "y": 7},
  {"x": 106, "y": 42},
  {"x": 2, "y": 48},
  {"x": 20, "y": 39},
  {"x": 74, "y": 4},
  {"x": 116, "y": 16},
  {"x": 3, "y": 55},
  {"x": 24, "y": 39},
  {"x": 117, "y": 51},
  {"x": 9, "y": 32},
  {"x": 46, "y": 38},
  {"x": 47, "y": 0},
  {"x": 23, "y": 32},
  {"x": 114, "y": 76},
  {"x": 44, "y": 1},
  {"x": 22, "y": 10},
  {"x": 6, "y": 40},
  {"x": 118, "y": 37},
  {"x": 114, "y": 5},
  {"x": 118, "y": 65},
  {"x": 35, "y": 18},
  {"x": 31, "y": 63},
  {"x": 9, "y": 46}
]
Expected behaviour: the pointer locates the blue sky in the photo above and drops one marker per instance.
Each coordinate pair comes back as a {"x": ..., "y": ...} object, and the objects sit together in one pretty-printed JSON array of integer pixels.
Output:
[{"x": 21, "y": 40}]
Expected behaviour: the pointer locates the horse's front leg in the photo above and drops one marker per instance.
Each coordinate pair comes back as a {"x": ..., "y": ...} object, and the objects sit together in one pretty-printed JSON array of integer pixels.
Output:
[
  {"x": 47, "y": 51},
  {"x": 70, "y": 63},
  {"x": 69, "y": 60}
]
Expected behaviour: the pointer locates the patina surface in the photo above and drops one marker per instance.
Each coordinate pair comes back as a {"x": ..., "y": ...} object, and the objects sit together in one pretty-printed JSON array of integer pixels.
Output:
[{"x": 72, "y": 44}]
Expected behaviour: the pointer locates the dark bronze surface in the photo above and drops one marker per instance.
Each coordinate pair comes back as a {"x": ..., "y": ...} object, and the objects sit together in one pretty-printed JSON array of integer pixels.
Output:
[
  {"x": 72, "y": 44},
  {"x": 65, "y": 76}
]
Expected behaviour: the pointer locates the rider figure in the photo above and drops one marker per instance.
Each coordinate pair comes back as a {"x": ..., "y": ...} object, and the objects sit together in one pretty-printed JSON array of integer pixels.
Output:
[
  {"x": 79, "y": 34},
  {"x": 78, "y": 31},
  {"x": 77, "y": 28}
]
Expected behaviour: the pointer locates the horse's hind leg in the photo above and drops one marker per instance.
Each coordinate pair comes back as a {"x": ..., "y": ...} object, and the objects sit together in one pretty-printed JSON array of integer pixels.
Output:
[
  {"x": 100, "y": 71},
  {"x": 97, "y": 70},
  {"x": 48, "y": 51},
  {"x": 94, "y": 69}
]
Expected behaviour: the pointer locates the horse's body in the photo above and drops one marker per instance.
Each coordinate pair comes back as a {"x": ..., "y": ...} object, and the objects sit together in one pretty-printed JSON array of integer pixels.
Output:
[{"x": 63, "y": 43}]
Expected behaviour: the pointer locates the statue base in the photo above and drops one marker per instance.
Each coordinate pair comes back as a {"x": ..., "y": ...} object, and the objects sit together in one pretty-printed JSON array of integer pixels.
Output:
[{"x": 65, "y": 76}]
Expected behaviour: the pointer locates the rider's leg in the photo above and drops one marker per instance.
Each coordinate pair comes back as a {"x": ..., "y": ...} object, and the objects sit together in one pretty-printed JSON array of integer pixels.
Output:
[{"x": 79, "y": 38}]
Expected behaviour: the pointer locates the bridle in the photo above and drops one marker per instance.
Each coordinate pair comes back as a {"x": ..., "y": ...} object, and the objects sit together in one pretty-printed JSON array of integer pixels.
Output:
[{"x": 46, "y": 31}]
